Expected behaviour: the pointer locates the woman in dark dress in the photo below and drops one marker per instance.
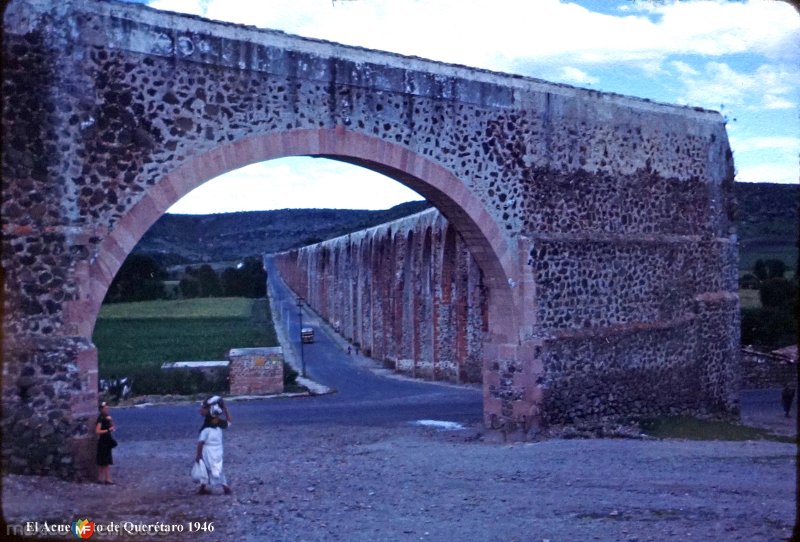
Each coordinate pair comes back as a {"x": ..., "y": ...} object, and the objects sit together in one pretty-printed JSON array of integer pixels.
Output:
[{"x": 105, "y": 442}]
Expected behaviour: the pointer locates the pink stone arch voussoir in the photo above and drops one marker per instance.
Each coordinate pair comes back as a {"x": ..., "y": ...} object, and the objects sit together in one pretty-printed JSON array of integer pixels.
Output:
[{"x": 450, "y": 195}]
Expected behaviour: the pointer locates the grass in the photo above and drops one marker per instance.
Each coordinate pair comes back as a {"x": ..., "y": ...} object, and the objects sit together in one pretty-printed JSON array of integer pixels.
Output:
[
  {"x": 131, "y": 336},
  {"x": 204, "y": 307},
  {"x": 684, "y": 427}
]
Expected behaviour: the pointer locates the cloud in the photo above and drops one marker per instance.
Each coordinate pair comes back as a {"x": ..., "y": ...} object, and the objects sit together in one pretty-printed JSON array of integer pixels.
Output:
[
  {"x": 766, "y": 158},
  {"x": 769, "y": 173},
  {"x": 782, "y": 143},
  {"x": 716, "y": 28},
  {"x": 574, "y": 75},
  {"x": 684, "y": 69},
  {"x": 776, "y": 102},
  {"x": 768, "y": 87},
  {"x": 505, "y": 33},
  {"x": 295, "y": 182}
]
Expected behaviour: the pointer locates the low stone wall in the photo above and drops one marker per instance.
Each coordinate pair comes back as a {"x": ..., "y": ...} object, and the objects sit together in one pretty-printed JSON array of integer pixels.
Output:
[
  {"x": 762, "y": 370},
  {"x": 256, "y": 370}
]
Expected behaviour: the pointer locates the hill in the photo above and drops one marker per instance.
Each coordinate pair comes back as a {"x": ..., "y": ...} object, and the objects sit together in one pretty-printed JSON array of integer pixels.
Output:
[
  {"x": 767, "y": 222},
  {"x": 767, "y": 228},
  {"x": 184, "y": 239}
]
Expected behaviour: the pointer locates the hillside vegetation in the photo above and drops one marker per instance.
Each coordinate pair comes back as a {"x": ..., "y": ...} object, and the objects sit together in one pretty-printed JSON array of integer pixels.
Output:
[
  {"x": 184, "y": 239},
  {"x": 767, "y": 224}
]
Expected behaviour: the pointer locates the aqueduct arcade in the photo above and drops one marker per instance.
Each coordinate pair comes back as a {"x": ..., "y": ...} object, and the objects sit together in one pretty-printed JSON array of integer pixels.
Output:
[{"x": 602, "y": 224}]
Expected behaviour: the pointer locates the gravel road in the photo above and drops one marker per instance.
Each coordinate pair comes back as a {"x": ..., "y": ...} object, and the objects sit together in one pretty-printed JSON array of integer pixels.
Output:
[{"x": 406, "y": 482}]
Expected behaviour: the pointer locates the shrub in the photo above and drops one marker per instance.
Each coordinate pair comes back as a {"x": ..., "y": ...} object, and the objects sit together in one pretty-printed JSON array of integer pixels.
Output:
[
  {"x": 152, "y": 380},
  {"x": 769, "y": 269},
  {"x": 248, "y": 279},
  {"x": 210, "y": 285},
  {"x": 768, "y": 327},
  {"x": 139, "y": 279},
  {"x": 189, "y": 287},
  {"x": 775, "y": 268},
  {"x": 289, "y": 376},
  {"x": 777, "y": 292}
]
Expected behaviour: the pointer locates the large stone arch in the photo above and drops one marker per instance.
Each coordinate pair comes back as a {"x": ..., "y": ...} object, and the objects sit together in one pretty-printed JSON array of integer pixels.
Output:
[
  {"x": 438, "y": 185},
  {"x": 602, "y": 223}
]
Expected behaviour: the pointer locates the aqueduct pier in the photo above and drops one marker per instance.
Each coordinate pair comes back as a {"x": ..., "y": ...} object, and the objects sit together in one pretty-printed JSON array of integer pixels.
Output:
[{"x": 601, "y": 224}]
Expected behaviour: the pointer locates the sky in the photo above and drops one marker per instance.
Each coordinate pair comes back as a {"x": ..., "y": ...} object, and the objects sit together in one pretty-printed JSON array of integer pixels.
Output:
[{"x": 741, "y": 58}]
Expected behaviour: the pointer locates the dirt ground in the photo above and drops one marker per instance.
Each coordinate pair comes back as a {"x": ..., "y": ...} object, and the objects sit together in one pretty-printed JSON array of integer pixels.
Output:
[{"x": 407, "y": 482}]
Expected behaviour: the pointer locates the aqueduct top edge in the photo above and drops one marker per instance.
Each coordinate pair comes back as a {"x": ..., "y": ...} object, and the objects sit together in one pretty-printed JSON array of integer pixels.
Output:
[{"x": 15, "y": 17}]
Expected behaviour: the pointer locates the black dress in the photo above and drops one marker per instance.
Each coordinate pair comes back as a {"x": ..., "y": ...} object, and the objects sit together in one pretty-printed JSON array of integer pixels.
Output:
[{"x": 104, "y": 443}]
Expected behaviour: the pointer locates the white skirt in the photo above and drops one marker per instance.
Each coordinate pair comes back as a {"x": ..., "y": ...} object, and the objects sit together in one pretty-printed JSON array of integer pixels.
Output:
[{"x": 212, "y": 457}]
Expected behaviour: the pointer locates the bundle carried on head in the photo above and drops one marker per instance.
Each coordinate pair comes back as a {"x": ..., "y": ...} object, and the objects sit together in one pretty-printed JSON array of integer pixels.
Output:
[{"x": 214, "y": 405}]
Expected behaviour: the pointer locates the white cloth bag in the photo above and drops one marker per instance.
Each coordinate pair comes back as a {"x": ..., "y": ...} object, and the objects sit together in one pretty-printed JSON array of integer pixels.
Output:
[{"x": 199, "y": 472}]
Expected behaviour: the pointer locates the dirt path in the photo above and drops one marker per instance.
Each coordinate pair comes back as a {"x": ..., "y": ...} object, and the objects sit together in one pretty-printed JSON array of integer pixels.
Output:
[{"x": 413, "y": 483}]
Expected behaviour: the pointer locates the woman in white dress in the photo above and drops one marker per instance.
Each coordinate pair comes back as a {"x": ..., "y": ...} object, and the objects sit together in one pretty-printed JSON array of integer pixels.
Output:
[{"x": 209, "y": 445}]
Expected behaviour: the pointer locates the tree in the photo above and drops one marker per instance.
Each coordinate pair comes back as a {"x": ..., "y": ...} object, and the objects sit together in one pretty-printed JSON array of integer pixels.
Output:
[
  {"x": 760, "y": 270},
  {"x": 775, "y": 269},
  {"x": 777, "y": 293},
  {"x": 248, "y": 279},
  {"x": 769, "y": 269},
  {"x": 768, "y": 327},
  {"x": 210, "y": 285},
  {"x": 231, "y": 283},
  {"x": 189, "y": 287},
  {"x": 140, "y": 278}
]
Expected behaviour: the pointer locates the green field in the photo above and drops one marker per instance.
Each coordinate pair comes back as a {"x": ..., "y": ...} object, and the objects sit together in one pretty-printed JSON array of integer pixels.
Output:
[
  {"x": 131, "y": 336},
  {"x": 204, "y": 307}
]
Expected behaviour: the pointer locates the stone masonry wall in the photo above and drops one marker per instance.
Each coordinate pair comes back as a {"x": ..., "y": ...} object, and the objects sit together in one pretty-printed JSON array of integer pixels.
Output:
[{"x": 408, "y": 292}]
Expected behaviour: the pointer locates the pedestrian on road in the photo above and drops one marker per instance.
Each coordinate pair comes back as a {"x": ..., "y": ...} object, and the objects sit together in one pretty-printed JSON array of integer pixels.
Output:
[
  {"x": 787, "y": 396},
  {"x": 209, "y": 444},
  {"x": 105, "y": 443}
]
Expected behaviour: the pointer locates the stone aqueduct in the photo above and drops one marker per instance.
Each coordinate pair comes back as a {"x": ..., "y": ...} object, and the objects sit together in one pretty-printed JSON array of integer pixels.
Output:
[
  {"x": 408, "y": 292},
  {"x": 602, "y": 224}
]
